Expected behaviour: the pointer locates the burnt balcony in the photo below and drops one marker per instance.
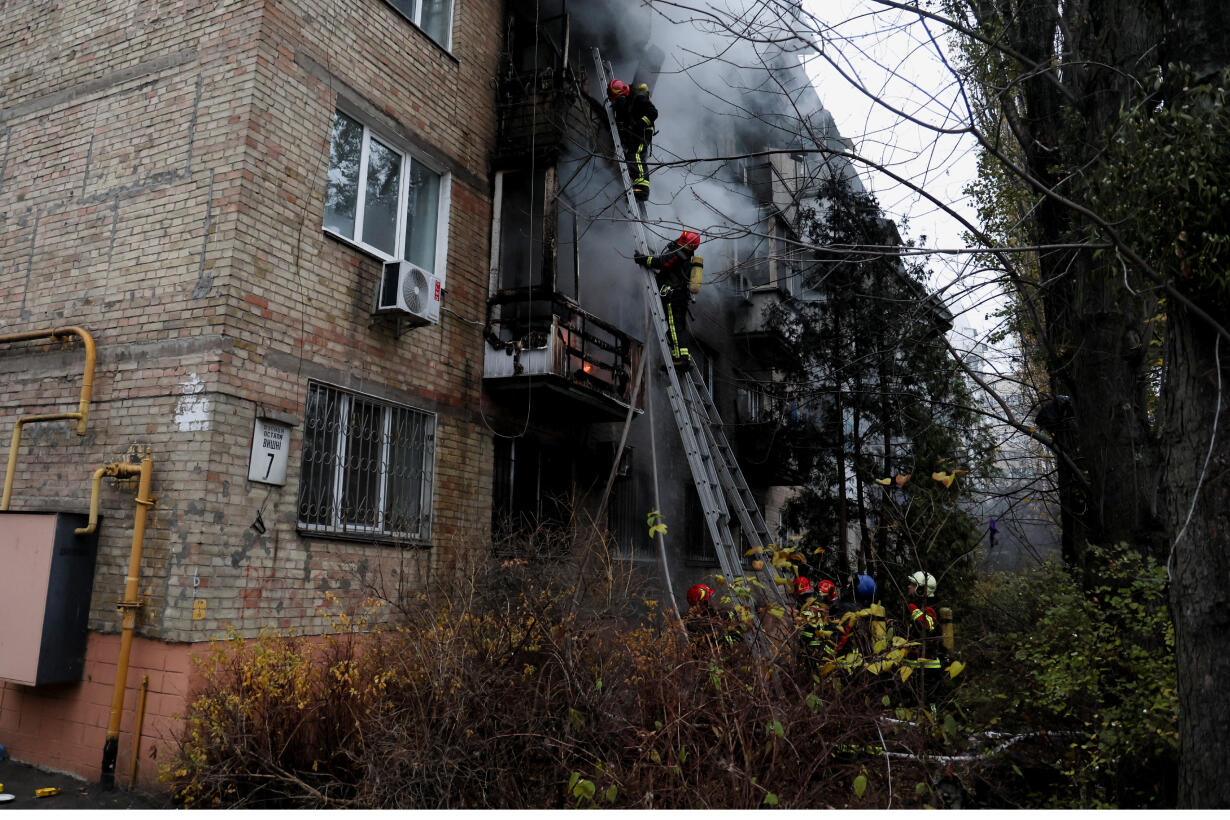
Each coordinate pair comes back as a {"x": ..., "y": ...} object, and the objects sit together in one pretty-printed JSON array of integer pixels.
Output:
[
  {"x": 579, "y": 366},
  {"x": 538, "y": 88},
  {"x": 534, "y": 113}
]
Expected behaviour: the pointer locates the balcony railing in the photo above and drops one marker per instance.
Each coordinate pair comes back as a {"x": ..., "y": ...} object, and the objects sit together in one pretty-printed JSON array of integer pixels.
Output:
[{"x": 545, "y": 339}]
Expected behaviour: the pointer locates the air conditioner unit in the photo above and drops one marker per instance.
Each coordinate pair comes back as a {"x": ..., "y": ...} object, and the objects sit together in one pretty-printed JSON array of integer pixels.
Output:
[{"x": 407, "y": 288}]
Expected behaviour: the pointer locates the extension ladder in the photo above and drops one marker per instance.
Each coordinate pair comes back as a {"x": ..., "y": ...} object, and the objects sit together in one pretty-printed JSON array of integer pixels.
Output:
[{"x": 719, "y": 480}]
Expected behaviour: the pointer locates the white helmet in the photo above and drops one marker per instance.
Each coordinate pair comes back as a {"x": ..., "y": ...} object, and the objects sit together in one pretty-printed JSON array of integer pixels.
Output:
[{"x": 924, "y": 581}]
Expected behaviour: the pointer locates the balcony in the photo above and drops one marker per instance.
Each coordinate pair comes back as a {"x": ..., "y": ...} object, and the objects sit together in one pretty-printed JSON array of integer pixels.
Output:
[
  {"x": 544, "y": 342},
  {"x": 779, "y": 438},
  {"x": 765, "y": 339},
  {"x": 537, "y": 88},
  {"x": 534, "y": 114},
  {"x": 770, "y": 456}
]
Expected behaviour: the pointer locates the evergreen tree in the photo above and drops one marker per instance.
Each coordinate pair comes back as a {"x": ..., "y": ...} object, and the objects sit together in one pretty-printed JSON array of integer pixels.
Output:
[{"x": 869, "y": 396}]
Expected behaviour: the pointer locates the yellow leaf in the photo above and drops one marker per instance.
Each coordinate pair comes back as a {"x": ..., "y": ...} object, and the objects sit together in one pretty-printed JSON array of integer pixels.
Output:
[
  {"x": 884, "y": 481},
  {"x": 955, "y": 668},
  {"x": 905, "y": 673}
]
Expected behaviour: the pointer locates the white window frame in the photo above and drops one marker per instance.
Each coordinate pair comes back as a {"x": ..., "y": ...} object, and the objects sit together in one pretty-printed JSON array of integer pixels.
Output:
[
  {"x": 417, "y": 19},
  {"x": 336, "y": 525},
  {"x": 407, "y": 160}
]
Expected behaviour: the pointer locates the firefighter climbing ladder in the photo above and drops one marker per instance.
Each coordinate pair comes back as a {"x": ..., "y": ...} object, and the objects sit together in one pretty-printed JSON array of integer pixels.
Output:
[{"x": 719, "y": 479}]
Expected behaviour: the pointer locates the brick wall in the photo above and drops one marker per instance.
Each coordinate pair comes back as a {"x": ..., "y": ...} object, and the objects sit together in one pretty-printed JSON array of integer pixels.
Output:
[{"x": 162, "y": 169}]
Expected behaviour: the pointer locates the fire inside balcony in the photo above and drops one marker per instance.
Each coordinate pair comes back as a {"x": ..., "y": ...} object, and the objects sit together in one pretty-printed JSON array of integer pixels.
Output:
[{"x": 540, "y": 340}]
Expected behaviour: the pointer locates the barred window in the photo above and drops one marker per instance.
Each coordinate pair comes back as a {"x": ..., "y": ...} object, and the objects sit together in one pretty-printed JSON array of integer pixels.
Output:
[{"x": 367, "y": 467}]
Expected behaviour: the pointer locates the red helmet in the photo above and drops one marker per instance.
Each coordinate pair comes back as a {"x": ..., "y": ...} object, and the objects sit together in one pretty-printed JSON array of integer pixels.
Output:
[
  {"x": 617, "y": 88},
  {"x": 689, "y": 240},
  {"x": 699, "y": 593},
  {"x": 802, "y": 585},
  {"x": 826, "y": 591}
]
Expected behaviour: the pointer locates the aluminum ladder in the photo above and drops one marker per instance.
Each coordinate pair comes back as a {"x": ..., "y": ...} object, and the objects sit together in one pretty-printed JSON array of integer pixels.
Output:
[{"x": 719, "y": 480}]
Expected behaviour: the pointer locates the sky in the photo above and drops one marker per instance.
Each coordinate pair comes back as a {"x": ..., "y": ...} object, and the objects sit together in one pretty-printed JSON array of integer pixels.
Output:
[{"x": 902, "y": 60}]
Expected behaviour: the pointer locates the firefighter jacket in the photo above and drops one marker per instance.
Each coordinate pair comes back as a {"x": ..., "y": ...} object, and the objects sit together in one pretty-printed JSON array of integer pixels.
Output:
[
  {"x": 925, "y": 630},
  {"x": 678, "y": 269},
  {"x": 635, "y": 115},
  {"x": 816, "y": 633}
]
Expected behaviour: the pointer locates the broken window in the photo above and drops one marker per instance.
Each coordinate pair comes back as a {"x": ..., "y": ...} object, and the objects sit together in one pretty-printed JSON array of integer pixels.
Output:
[
  {"x": 521, "y": 229},
  {"x": 381, "y": 199},
  {"x": 367, "y": 466}
]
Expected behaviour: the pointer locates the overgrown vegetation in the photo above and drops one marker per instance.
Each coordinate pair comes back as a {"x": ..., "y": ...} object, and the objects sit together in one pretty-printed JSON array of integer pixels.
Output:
[
  {"x": 1086, "y": 679},
  {"x": 501, "y": 694}
]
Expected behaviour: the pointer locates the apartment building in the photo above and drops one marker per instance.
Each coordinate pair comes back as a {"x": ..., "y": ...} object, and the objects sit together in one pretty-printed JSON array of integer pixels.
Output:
[
  {"x": 210, "y": 190},
  {"x": 356, "y": 282},
  {"x": 737, "y": 151}
]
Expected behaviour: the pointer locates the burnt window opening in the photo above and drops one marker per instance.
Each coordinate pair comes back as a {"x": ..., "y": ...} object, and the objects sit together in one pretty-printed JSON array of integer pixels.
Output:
[
  {"x": 538, "y": 234},
  {"x": 521, "y": 209},
  {"x": 532, "y": 499},
  {"x": 626, "y": 519}
]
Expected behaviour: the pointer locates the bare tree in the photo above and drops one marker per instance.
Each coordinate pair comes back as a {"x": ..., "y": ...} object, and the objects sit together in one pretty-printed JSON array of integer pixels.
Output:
[{"x": 1112, "y": 258}]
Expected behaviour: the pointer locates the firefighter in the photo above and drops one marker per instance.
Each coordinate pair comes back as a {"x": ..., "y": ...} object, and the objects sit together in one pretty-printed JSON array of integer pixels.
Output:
[
  {"x": 856, "y": 620},
  {"x": 679, "y": 273},
  {"x": 704, "y": 622},
  {"x": 815, "y": 628},
  {"x": 924, "y": 629},
  {"x": 635, "y": 115}
]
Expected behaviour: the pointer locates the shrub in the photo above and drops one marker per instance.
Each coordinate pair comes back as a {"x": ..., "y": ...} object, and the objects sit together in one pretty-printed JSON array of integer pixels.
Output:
[
  {"x": 1088, "y": 675},
  {"x": 517, "y": 699}
]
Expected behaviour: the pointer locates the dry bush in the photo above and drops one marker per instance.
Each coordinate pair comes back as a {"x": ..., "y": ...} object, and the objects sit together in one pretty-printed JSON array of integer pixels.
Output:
[{"x": 501, "y": 692}]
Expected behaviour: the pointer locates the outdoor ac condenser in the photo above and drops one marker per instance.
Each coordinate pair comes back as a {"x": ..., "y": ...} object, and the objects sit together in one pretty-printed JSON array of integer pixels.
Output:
[{"x": 407, "y": 289}]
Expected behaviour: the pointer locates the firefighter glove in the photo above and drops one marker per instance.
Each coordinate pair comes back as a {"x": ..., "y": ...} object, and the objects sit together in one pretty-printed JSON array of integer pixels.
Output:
[{"x": 640, "y": 258}]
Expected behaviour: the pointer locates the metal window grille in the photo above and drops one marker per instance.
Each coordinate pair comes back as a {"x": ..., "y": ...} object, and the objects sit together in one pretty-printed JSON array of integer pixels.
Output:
[
  {"x": 626, "y": 520},
  {"x": 367, "y": 467}
]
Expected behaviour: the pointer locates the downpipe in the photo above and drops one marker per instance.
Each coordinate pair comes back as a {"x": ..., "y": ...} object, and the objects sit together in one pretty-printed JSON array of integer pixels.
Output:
[{"x": 128, "y": 607}]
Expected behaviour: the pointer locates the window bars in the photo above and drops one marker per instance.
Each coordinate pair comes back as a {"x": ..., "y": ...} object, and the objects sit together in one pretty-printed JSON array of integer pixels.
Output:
[{"x": 367, "y": 467}]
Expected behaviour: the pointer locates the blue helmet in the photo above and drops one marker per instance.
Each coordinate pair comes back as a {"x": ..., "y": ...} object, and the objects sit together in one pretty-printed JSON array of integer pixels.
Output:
[{"x": 865, "y": 589}]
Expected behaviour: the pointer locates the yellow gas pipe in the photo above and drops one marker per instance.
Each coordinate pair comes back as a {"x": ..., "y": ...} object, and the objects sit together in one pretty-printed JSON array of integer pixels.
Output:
[
  {"x": 82, "y": 415},
  {"x": 128, "y": 606},
  {"x": 95, "y": 490}
]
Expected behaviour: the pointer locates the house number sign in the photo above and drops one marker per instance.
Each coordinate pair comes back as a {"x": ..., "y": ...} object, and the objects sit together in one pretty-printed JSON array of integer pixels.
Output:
[{"x": 270, "y": 446}]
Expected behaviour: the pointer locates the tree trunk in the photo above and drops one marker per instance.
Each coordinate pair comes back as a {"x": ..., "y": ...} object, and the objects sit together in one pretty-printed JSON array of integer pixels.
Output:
[{"x": 1197, "y": 408}]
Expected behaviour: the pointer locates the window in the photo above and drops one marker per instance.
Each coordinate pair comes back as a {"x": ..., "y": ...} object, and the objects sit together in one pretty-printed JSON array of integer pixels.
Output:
[
  {"x": 367, "y": 467},
  {"x": 434, "y": 17},
  {"x": 520, "y": 229},
  {"x": 383, "y": 200}
]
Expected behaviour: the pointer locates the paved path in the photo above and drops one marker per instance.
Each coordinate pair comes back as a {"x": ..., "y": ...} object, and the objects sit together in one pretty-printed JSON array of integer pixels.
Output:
[{"x": 20, "y": 780}]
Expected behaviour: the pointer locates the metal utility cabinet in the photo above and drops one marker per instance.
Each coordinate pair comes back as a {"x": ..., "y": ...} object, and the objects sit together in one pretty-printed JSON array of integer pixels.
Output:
[{"x": 46, "y": 574}]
